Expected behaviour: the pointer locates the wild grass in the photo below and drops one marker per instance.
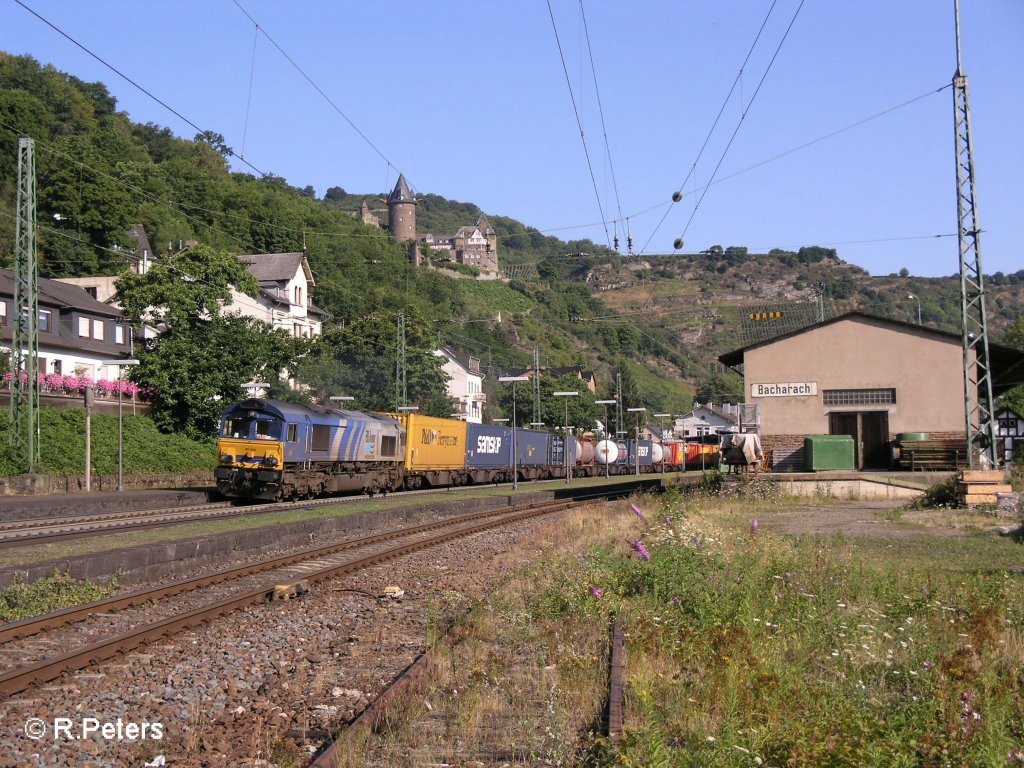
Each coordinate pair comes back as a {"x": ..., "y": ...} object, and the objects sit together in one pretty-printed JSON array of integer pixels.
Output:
[
  {"x": 745, "y": 647},
  {"x": 755, "y": 649},
  {"x": 59, "y": 590}
]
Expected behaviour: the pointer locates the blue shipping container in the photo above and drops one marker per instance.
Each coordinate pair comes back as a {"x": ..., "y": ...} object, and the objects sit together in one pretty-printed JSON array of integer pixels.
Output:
[
  {"x": 645, "y": 453},
  {"x": 531, "y": 448},
  {"x": 488, "y": 446}
]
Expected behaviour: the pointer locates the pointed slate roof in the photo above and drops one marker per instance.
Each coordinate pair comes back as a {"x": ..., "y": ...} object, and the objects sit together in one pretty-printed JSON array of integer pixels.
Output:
[
  {"x": 401, "y": 193},
  {"x": 484, "y": 225}
]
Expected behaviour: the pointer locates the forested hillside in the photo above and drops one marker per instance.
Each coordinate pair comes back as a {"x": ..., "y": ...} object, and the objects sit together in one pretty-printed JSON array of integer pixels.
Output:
[{"x": 659, "y": 322}]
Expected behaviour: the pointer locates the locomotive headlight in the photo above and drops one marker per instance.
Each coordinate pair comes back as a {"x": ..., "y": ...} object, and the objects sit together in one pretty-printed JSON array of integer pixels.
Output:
[
  {"x": 226, "y": 458},
  {"x": 271, "y": 461}
]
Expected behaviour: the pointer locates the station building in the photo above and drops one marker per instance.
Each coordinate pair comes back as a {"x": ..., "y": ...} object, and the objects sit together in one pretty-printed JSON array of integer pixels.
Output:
[{"x": 864, "y": 375}]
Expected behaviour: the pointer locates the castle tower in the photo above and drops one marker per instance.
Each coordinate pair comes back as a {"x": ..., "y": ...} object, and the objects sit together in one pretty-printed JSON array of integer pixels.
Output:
[{"x": 402, "y": 212}]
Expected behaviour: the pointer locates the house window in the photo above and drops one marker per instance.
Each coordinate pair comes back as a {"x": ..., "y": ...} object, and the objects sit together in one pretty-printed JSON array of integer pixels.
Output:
[
  {"x": 3, "y": 313},
  {"x": 119, "y": 334},
  {"x": 45, "y": 319},
  {"x": 860, "y": 396},
  {"x": 298, "y": 295},
  {"x": 91, "y": 290},
  {"x": 89, "y": 328},
  {"x": 58, "y": 366}
]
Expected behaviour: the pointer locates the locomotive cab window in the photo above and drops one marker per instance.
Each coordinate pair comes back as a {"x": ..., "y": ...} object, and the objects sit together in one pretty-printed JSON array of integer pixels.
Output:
[
  {"x": 249, "y": 428},
  {"x": 293, "y": 430},
  {"x": 387, "y": 445},
  {"x": 267, "y": 429}
]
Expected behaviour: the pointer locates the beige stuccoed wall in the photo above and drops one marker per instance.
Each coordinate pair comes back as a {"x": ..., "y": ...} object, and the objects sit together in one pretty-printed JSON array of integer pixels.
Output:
[{"x": 860, "y": 353}]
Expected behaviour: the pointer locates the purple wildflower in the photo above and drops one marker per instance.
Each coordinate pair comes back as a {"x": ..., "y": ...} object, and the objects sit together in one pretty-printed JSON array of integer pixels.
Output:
[
  {"x": 639, "y": 514},
  {"x": 927, "y": 666},
  {"x": 668, "y": 522},
  {"x": 754, "y": 525},
  {"x": 596, "y": 592},
  {"x": 789, "y": 575},
  {"x": 698, "y": 542},
  {"x": 1015, "y": 756},
  {"x": 641, "y": 550}
]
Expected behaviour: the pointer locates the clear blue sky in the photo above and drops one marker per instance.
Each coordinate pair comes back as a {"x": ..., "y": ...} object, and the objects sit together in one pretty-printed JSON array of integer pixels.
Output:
[{"x": 469, "y": 99}]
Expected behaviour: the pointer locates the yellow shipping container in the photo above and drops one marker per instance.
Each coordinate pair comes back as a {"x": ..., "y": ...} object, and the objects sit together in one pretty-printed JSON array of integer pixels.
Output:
[{"x": 432, "y": 443}]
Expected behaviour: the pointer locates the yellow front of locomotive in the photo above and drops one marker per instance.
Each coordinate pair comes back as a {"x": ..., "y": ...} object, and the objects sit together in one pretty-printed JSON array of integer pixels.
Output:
[{"x": 250, "y": 452}]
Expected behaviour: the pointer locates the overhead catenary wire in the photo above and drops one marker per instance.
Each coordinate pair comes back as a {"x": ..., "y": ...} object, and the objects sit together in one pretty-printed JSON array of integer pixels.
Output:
[
  {"x": 739, "y": 123},
  {"x": 600, "y": 111},
  {"x": 714, "y": 125},
  {"x": 122, "y": 75},
  {"x": 252, "y": 77},
  {"x": 321, "y": 91},
  {"x": 579, "y": 123}
]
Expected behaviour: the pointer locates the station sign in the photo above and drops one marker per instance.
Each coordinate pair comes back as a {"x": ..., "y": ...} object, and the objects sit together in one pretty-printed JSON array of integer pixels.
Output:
[{"x": 787, "y": 389}]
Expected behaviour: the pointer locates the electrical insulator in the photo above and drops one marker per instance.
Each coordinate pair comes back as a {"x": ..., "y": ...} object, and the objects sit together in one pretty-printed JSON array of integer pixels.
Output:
[
  {"x": 616, "y": 241},
  {"x": 629, "y": 243},
  {"x": 678, "y": 243},
  {"x": 677, "y": 196}
]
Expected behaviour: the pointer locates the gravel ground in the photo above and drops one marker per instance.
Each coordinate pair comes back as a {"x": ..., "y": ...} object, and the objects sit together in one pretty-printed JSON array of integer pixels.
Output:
[{"x": 266, "y": 685}]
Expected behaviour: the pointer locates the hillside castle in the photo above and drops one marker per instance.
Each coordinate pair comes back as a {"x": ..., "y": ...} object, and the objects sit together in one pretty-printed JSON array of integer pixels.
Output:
[{"x": 475, "y": 246}]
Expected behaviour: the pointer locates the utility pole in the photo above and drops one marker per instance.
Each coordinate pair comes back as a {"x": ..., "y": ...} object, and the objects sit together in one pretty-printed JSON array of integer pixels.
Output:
[
  {"x": 978, "y": 405},
  {"x": 25, "y": 344},
  {"x": 536, "y": 385},
  {"x": 618, "y": 408},
  {"x": 401, "y": 390}
]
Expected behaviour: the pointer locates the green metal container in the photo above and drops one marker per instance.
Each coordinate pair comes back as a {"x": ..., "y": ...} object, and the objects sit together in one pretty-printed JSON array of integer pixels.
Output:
[{"x": 828, "y": 452}]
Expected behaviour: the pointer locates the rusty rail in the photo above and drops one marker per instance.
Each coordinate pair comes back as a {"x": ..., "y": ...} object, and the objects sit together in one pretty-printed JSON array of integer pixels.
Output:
[
  {"x": 19, "y": 679},
  {"x": 615, "y": 683}
]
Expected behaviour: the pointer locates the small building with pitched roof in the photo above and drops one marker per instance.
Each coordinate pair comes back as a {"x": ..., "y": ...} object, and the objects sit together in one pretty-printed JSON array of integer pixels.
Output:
[{"x": 863, "y": 375}]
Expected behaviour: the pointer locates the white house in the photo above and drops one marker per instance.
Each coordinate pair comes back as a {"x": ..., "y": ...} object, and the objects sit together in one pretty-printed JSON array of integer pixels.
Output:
[
  {"x": 706, "y": 420},
  {"x": 283, "y": 301},
  {"x": 465, "y": 384}
]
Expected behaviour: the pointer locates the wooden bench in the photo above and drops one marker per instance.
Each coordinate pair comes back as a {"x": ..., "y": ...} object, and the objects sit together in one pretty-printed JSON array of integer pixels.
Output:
[{"x": 932, "y": 454}]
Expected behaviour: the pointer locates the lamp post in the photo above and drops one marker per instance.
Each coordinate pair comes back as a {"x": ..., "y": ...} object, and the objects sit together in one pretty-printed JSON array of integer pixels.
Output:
[
  {"x": 566, "y": 395},
  {"x": 661, "y": 425},
  {"x": 636, "y": 446},
  {"x": 515, "y": 456},
  {"x": 912, "y": 296},
  {"x": 121, "y": 365},
  {"x": 606, "y": 403},
  {"x": 252, "y": 387}
]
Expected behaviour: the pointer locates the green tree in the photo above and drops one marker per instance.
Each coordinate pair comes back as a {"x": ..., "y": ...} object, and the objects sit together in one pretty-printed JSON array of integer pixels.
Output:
[
  {"x": 359, "y": 360},
  {"x": 1014, "y": 398},
  {"x": 197, "y": 368},
  {"x": 192, "y": 284},
  {"x": 199, "y": 359}
]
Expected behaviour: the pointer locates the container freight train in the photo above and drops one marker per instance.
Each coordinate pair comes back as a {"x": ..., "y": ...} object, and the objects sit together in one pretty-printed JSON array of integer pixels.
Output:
[{"x": 275, "y": 450}]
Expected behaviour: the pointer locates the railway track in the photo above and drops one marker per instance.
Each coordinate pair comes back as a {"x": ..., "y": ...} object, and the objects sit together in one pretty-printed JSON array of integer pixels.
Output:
[
  {"x": 20, "y": 533},
  {"x": 103, "y": 629}
]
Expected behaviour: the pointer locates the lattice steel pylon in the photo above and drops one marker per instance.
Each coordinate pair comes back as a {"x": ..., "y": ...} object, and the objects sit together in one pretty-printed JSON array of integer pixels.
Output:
[
  {"x": 401, "y": 389},
  {"x": 978, "y": 402},
  {"x": 25, "y": 341}
]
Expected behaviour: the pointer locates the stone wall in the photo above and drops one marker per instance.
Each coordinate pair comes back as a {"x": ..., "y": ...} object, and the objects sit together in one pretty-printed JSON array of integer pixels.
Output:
[{"x": 29, "y": 485}]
